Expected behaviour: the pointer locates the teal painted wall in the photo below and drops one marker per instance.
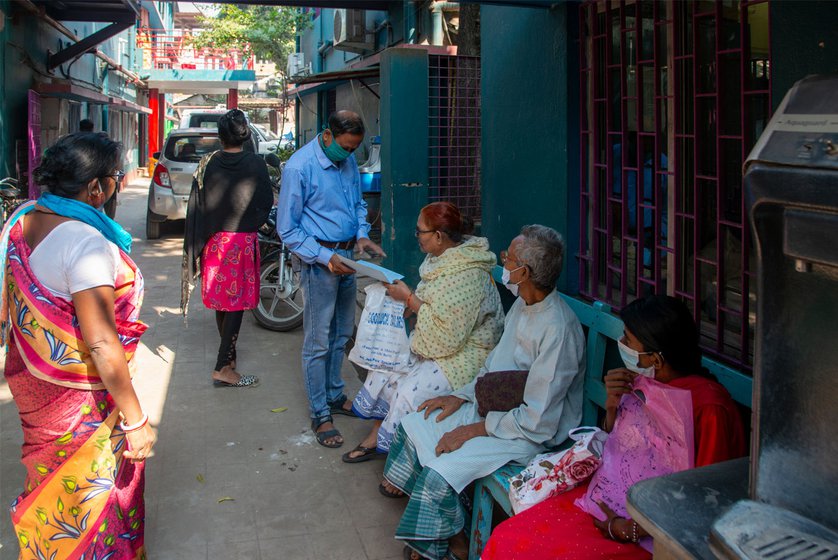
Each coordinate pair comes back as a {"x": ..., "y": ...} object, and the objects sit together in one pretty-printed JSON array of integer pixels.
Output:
[
  {"x": 530, "y": 157},
  {"x": 25, "y": 42},
  {"x": 322, "y": 32},
  {"x": 404, "y": 156},
  {"x": 804, "y": 40}
]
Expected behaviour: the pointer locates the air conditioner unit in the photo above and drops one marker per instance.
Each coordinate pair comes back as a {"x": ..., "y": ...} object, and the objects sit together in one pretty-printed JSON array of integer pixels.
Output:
[
  {"x": 351, "y": 31},
  {"x": 296, "y": 65}
]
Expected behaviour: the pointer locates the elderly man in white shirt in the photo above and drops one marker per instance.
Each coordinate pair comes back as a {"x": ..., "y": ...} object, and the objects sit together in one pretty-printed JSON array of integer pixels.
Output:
[{"x": 439, "y": 450}]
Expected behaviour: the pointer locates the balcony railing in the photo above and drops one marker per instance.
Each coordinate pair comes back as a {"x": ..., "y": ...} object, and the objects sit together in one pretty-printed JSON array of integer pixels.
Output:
[{"x": 162, "y": 49}]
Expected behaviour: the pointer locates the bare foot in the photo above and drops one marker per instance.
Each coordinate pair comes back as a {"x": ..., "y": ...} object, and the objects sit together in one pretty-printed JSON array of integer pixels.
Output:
[
  {"x": 458, "y": 545},
  {"x": 390, "y": 489},
  {"x": 228, "y": 374}
]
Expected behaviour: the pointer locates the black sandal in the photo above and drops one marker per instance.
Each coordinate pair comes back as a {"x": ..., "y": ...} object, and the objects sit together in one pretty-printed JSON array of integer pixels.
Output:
[
  {"x": 322, "y": 437},
  {"x": 337, "y": 408},
  {"x": 367, "y": 453}
]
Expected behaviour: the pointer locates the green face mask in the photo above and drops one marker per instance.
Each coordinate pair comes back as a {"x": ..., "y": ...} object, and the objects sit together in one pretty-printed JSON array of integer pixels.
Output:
[{"x": 334, "y": 151}]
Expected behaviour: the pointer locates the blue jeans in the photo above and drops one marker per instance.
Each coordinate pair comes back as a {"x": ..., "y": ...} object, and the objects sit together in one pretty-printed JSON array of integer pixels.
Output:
[{"x": 328, "y": 321}]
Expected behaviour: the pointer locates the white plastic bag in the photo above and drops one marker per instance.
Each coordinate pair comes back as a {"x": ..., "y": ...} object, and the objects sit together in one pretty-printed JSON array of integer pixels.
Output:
[
  {"x": 550, "y": 474},
  {"x": 381, "y": 342}
]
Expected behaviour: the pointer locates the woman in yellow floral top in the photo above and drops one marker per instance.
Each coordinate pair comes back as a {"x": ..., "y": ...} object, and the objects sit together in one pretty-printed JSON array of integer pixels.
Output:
[{"x": 459, "y": 319}]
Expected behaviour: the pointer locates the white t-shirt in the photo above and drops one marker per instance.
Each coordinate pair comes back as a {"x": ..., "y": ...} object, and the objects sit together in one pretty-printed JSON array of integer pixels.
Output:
[{"x": 74, "y": 257}]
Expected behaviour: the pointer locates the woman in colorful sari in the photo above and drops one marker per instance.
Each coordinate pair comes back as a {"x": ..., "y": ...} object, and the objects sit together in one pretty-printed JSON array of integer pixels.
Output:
[
  {"x": 231, "y": 198},
  {"x": 71, "y": 302},
  {"x": 459, "y": 319},
  {"x": 660, "y": 342}
]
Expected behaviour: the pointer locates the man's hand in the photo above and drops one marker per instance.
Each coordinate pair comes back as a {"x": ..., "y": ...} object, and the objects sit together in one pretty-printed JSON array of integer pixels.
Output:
[
  {"x": 335, "y": 266},
  {"x": 367, "y": 246},
  {"x": 457, "y": 437},
  {"x": 448, "y": 404}
]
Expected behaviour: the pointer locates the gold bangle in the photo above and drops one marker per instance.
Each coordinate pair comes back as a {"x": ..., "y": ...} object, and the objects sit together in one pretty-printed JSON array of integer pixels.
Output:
[{"x": 410, "y": 295}]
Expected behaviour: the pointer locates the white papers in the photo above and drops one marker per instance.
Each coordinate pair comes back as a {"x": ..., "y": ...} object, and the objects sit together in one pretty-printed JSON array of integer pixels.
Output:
[{"x": 365, "y": 268}]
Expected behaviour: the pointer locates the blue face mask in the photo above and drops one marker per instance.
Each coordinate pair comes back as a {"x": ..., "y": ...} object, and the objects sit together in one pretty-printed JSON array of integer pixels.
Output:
[{"x": 334, "y": 151}]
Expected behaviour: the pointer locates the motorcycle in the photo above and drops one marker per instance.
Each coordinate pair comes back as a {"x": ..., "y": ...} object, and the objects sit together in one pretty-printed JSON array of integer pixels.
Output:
[
  {"x": 280, "y": 306},
  {"x": 10, "y": 198}
]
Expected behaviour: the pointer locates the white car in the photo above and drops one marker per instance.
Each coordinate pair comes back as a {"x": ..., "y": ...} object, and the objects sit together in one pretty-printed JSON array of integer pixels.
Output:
[
  {"x": 171, "y": 183},
  {"x": 268, "y": 141}
]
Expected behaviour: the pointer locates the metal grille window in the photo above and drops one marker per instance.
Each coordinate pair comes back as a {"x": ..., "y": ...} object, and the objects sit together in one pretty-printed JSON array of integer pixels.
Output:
[
  {"x": 673, "y": 96},
  {"x": 454, "y": 133}
]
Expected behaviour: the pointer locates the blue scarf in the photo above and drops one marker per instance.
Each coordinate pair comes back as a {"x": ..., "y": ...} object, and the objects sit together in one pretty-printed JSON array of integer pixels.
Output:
[{"x": 83, "y": 212}]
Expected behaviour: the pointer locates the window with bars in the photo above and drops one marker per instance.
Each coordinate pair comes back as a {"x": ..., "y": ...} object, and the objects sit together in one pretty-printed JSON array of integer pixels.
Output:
[
  {"x": 673, "y": 95},
  {"x": 454, "y": 134}
]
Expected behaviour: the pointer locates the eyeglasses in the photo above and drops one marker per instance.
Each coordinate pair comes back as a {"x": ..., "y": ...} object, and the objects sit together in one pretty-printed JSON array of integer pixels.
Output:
[
  {"x": 117, "y": 176},
  {"x": 419, "y": 232}
]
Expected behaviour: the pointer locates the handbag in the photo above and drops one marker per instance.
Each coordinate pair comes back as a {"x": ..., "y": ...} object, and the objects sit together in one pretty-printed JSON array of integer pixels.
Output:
[
  {"x": 553, "y": 473},
  {"x": 500, "y": 391}
]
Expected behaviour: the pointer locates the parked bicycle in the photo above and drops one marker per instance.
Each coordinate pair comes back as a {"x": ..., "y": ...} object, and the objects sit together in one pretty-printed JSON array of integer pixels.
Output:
[{"x": 280, "y": 305}]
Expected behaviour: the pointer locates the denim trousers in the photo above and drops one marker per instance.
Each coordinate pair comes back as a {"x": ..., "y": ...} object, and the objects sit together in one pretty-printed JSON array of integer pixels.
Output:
[{"x": 328, "y": 321}]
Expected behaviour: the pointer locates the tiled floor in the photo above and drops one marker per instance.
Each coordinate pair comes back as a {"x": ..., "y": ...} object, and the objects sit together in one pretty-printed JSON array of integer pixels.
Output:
[{"x": 291, "y": 498}]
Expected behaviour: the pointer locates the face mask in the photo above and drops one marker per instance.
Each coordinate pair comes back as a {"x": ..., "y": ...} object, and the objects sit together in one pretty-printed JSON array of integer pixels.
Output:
[
  {"x": 334, "y": 151},
  {"x": 631, "y": 358},
  {"x": 505, "y": 279}
]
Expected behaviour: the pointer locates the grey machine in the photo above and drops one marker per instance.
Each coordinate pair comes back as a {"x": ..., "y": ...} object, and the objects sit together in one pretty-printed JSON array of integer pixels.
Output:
[{"x": 782, "y": 503}]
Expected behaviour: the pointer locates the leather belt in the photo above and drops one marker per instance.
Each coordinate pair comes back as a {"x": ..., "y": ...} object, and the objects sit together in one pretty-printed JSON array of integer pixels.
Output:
[{"x": 345, "y": 245}]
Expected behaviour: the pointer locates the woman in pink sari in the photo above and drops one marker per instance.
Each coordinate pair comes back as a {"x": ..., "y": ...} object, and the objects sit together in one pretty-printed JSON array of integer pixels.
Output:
[{"x": 70, "y": 307}]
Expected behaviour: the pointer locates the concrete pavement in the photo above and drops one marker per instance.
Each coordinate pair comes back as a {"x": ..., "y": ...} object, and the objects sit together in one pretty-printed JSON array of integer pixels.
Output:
[{"x": 291, "y": 498}]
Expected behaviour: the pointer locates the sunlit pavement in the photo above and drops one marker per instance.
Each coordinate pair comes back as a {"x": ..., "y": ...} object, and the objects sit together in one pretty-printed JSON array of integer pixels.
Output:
[{"x": 229, "y": 478}]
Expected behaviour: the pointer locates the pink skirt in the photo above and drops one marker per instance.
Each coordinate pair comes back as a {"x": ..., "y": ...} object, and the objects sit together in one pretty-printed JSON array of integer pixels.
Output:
[{"x": 230, "y": 271}]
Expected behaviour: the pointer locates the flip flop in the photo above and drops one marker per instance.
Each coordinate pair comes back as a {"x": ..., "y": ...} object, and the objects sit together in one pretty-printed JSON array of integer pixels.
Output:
[
  {"x": 388, "y": 494},
  {"x": 407, "y": 553},
  {"x": 367, "y": 453},
  {"x": 244, "y": 381},
  {"x": 337, "y": 408}
]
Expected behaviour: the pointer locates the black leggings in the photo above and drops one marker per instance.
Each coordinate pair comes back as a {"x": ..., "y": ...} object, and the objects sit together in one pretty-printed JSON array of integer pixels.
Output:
[{"x": 229, "y": 323}]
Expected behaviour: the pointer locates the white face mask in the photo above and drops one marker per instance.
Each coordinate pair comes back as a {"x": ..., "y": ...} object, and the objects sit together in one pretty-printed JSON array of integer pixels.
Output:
[
  {"x": 505, "y": 279},
  {"x": 631, "y": 358}
]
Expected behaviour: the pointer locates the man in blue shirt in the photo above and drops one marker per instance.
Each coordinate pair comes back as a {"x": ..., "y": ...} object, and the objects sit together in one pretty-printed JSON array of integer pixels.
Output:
[{"x": 321, "y": 215}]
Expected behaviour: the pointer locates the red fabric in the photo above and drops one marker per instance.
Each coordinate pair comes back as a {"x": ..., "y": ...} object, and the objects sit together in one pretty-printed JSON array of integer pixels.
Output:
[
  {"x": 556, "y": 528},
  {"x": 230, "y": 272},
  {"x": 719, "y": 432},
  {"x": 553, "y": 529}
]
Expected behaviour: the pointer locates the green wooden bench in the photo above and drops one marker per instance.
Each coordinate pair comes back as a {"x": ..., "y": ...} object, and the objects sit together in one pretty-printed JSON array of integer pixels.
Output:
[{"x": 602, "y": 329}]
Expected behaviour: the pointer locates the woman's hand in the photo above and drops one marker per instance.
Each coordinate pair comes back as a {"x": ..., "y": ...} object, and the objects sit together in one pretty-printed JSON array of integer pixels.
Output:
[
  {"x": 140, "y": 443},
  {"x": 615, "y": 527},
  {"x": 448, "y": 404},
  {"x": 398, "y": 290},
  {"x": 618, "y": 382},
  {"x": 455, "y": 439}
]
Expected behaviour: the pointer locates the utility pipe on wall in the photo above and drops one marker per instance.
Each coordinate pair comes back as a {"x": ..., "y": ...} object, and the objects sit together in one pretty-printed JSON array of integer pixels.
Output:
[
  {"x": 410, "y": 22},
  {"x": 32, "y": 8},
  {"x": 322, "y": 49}
]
